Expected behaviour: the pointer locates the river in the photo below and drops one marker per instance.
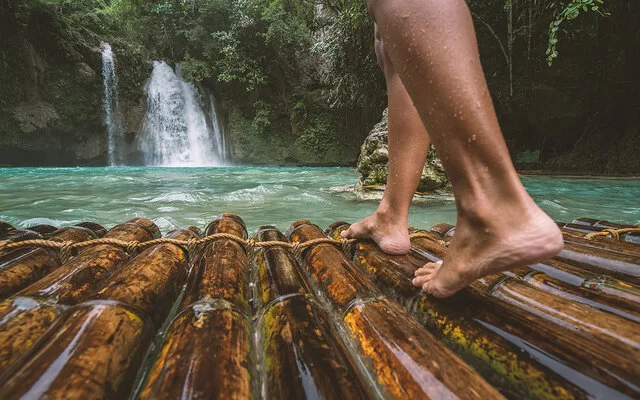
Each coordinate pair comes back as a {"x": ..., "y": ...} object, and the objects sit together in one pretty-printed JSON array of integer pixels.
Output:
[{"x": 261, "y": 196}]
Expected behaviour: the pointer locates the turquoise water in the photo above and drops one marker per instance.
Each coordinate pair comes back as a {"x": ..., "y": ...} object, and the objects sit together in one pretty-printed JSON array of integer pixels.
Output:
[{"x": 277, "y": 196}]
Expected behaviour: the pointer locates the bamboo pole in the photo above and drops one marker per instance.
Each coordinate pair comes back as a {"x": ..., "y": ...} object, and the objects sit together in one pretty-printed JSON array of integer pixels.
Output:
[
  {"x": 71, "y": 283},
  {"x": 86, "y": 355},
  {"x": 599, "y": 223},
  {"x": 404, "y": 360},
  {"x": 592, "y": 285},
  {"x": 601, "y": 261},
  {"x": 105, "y": 339},
  {"x": 18, "y": 235},
  {"x": 598, "y": 291},
  {"x": 43, "y": 229},
  {"x": 302, "y": 356},
  {"x": 607, "y": 343},
  {"x": 443, "y": 229},
  {"x": 514, "y": 372},
  {"x": 152, "y": 281},
  {"x": 21, "y": 267},
  {"x": 207, "y": 348},
  {"x": 5, "y": 227},
  {"x": 27, "y": 315},
  {"x": 98, "y": 229}
]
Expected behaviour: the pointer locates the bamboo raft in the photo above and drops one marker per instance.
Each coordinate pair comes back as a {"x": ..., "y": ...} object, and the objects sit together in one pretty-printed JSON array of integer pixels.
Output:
[{"x": 91, "y": 314}]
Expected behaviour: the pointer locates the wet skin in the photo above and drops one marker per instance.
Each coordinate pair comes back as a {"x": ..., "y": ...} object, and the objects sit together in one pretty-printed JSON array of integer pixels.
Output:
[{"x": 428, "y": 51}]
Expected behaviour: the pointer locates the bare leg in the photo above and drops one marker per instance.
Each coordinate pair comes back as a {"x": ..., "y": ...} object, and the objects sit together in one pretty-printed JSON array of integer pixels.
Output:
[
  {"x": 408, "y": 147},
  {"x": 433, "y": 48}
]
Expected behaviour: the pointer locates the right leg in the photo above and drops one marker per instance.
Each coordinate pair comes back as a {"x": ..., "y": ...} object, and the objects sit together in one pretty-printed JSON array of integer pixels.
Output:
[
  {"x": 408, "y": 147},
  {"x": 433, "y": 48}
]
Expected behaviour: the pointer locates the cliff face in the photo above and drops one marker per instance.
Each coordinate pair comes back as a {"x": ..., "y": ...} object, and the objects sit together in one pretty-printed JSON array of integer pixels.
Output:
[
  {"x": 57, "y": 117},
  {"x": 51, "y": 95}
]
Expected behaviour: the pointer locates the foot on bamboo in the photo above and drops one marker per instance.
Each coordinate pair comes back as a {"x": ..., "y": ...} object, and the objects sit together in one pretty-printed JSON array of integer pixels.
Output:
[
  {"x": 390, "y": 233},
  {"x": 490, "y": 243}
]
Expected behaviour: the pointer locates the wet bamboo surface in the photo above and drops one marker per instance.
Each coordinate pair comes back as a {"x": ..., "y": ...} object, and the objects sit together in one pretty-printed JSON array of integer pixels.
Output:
[
  {"x": 559, "y": 322},
  {"x": 26, "y": 316},
  {"x": 110, "y": 334},
  {"x": 23, "y": 266},
  {"x": 207, "y": 351},
  {"x": 302, "y": 355},
  {"x": 331, "y": 321},
  {"x": 405, "y": 360}
]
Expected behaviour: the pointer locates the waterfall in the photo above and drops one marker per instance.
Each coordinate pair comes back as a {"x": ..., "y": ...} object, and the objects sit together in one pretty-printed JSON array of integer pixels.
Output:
[
  {"x": 112, "y": 114},
  {"x": 175, "y": 131},
  {"x": 218, "y": 133}
]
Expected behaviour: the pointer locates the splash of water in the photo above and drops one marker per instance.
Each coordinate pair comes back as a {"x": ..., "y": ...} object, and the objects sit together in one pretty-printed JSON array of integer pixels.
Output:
[
  {"x": 112, "y": 114},
  {"x": 175, "y": 130}
]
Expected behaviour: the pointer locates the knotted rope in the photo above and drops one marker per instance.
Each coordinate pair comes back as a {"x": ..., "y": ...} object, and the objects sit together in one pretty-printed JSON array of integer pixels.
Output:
[
  {"x": 67, "y": 249},
  {"x": 615, "y": 233}
]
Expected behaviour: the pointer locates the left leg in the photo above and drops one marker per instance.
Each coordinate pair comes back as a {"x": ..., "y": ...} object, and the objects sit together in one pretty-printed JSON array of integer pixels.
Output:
[{"x": 408, "y": 147}]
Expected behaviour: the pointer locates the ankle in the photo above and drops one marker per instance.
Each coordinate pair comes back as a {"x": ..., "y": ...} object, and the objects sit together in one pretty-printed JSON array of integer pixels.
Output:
[
  {"x": 484, "y": 210},
  {"x": 390, "y": 215}
]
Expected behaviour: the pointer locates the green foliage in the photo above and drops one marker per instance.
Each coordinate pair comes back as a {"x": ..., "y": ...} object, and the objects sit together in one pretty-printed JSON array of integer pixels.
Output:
[
  {"x": 262, "y": 117},
  {"x": 320, "y": 134},
  {"x": 569, "y": 11},
  {"x": 354, "y": 74}
]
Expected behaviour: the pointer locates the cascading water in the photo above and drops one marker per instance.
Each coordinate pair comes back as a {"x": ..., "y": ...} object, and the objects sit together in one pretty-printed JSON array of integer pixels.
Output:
[
  {"x": 175, "y": 130},
  {"x": 218, "y": 133},
  {"x": 112, "y": 114}
]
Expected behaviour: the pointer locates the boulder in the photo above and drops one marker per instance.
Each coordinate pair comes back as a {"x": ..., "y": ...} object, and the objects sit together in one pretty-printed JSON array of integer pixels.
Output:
[{"x": 374, "y": 159}]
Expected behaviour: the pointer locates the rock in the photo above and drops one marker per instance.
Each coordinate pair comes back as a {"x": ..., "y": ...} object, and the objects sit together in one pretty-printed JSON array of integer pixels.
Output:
[
  {"x": 85, "y": 73},
  {"x": 32, "y": 116},
  {"x": 374, "y": 159}
]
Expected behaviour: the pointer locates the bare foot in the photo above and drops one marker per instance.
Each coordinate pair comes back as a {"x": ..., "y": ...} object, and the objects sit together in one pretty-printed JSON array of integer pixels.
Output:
[
  {"x": 390, "y": 233},
  {"x": 498, "y": 240}
]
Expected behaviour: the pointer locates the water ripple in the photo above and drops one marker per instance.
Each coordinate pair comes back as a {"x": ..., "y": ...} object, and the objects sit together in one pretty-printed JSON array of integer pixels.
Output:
[{"x": 261, "y": 196}]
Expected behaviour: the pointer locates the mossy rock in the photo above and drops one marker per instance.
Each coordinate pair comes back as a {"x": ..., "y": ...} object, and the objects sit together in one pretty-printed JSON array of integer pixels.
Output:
[{"x": 374, "y": 160}]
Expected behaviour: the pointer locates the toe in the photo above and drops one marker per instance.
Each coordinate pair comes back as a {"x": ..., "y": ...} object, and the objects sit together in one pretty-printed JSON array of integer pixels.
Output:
[
  {"x": 428, "y": 268},
  {"x": 355, "y": 231},
  {"x": 421, "y": 280}
]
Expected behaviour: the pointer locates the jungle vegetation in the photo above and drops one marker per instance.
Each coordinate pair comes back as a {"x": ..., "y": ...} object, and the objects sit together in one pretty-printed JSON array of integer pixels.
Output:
[{"x": 563, "y": 73}]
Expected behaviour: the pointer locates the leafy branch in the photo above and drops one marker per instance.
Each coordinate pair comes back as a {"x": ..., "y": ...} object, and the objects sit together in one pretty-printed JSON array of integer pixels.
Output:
[{"x": 569, "y": 12}]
